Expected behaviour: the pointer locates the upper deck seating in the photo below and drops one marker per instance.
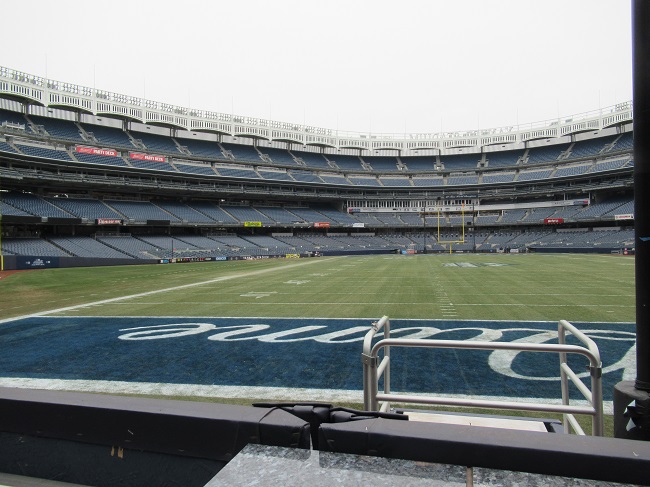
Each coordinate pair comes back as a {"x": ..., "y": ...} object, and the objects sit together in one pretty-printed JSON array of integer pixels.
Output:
[
  {"x": 346, "y": 163},
  {"x": 571, "y": 170},
  {"x": 140, "y": 210},
  {"x": 237, "y": 172},
  {"x": 419, "y": 163},
  {"x": 212, "y": 211},
  {"x": 611, "y": 164},
  {"x": 428, "y": 181},
  {"x": 183, "y": 212},
  {"x": 624, "y": 143},
  {"x": 395, "y": 181},
  {"x": 5, "y": 147},
  {"x": 503, "y": 159},
  {"x": 13, "y": 118},
  {"x": 278, "y": 156},
  {"x": 201, "y": 148},
  {"x": 100, "y": 159},
  {"x": 310, "y": 215},
  {"x": 44, "y": 152},
  {"x": 498, "y": 177},
  {"x": 246, "y": 214},
  {"x": 459, "y": 162},
  {"x": 591, "y": 147},
  {"x": 245, "y": 153},
  {"x": 364, "y": 180},
  {"x": 156, "y": 142},
  {"x": 381, "y": 164},
  {"x": 532, "y": 175},
  {"x": 203, "y": 169},
  {"x": 332, "y": 178},
  {"x": 542, "y": 154},
  {"x": 109, "y": 136},
  {"x": 154, "y": 165},
  {"x": 58, "y": 128},
  {"x": 305, "y": 176},
  {"x": 311, "y": 159},
  {"x": 462, "y": 180},
  {"x": 34, "y": 205},
  {"x": 91, "y": 209},
  {"x": 277, "y": 175}
]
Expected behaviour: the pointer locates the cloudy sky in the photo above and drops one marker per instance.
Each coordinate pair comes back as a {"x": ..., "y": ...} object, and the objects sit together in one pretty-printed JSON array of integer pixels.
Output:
[{"x": 366, "y": 66}]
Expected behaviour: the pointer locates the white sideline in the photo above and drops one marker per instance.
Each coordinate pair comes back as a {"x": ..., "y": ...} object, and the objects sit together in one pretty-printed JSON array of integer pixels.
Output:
[{"x": 240, "y": 392}]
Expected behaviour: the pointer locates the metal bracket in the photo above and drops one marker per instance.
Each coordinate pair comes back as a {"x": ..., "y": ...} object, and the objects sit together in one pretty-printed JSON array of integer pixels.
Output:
[
  {"x": 368, "y": 360},
  {"x": 596, "y": 372}
]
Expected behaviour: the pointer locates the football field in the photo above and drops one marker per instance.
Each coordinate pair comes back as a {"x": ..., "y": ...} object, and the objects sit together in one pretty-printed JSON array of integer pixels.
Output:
[
  {"x": 461, "y": 286},
  {"x": 292, "y": 328}
]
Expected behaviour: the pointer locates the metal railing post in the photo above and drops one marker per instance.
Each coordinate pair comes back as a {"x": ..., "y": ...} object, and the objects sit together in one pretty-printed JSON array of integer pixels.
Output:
[
  {"x": 373, "y": 369},
  {"x": 564, "y": 380},
  {"x": 370, "y": 365}
]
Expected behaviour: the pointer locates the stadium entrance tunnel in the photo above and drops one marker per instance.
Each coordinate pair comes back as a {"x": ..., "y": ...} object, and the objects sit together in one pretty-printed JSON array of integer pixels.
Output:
[{"x": 106, "y": 440}]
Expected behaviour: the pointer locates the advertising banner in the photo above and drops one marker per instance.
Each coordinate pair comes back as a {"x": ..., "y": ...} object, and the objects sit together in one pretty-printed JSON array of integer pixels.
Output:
[
  {"x": 553, "y": 221},
  {"x": 32, "y": 262},
  {"x": 108, "y": 221},
  {"x": 97, "y": 152},
  {"x": 321, "y": 224},
  {"x": 625, "y": 216},
  {"x": 252, "y": 224},
  {"x": 147, "y": 157}
]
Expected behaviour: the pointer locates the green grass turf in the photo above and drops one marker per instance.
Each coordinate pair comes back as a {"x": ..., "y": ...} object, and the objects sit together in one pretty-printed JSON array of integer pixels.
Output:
[{"x": 501, "y": 287}]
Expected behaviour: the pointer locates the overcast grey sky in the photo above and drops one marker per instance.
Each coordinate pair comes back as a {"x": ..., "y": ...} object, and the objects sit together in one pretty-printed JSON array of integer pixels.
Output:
[{"x": 370, "y": 66}]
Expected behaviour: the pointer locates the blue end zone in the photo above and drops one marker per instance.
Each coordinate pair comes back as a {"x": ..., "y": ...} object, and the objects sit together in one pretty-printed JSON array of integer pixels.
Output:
[{"x": 299, "y": 353}]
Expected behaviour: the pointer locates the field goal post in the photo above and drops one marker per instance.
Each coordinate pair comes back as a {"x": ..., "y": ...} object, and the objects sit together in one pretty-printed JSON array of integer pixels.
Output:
[{"x": 424, "y": 215}]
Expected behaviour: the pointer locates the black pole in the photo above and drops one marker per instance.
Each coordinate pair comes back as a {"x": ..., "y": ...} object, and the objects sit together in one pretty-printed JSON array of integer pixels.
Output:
[
  {"x": 641, "y": 70},
  {"x": 632, "y": 399}
]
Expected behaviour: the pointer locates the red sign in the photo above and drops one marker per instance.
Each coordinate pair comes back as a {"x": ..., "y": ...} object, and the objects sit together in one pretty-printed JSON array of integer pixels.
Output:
[
  {"x": 624, "y": 216},
  {"x": 97, "y": 152},
  {"x": 321, "y": 224},
  {"x": 553, "y": 221},
  {"x": 147, "y": 157}
]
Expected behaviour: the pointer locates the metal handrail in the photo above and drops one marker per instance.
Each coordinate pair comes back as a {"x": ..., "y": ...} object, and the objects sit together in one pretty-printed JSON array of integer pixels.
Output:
[{"x": 374, "y": 369}]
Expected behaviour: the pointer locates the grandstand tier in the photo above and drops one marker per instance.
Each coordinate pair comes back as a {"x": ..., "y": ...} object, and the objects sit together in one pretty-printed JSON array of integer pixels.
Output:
[{"x": 75, "y": 185}]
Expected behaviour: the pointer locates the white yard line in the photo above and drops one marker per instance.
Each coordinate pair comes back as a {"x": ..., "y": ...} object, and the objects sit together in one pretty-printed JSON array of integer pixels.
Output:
[{"x": 175, "y": 288}]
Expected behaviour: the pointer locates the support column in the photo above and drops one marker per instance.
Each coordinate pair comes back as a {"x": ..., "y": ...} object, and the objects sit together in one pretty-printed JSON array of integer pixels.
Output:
[{"x": 632, "y": 399}]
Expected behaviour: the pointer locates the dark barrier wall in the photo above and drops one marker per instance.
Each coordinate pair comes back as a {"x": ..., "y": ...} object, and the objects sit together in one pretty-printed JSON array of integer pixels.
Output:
[
  {"x": 36, "y": 262},
  {"x": 93, "y": 262},
  {"x": 22, "y": 262},
  {"x": 569, "y": 250},
  {"x": 107, "y": 440}
]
